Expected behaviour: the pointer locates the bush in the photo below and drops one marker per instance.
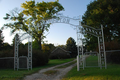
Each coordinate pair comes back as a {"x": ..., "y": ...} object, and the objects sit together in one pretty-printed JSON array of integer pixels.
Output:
[
  {"x": 39, "y": 58},
  {"x": 7, "y": 53},
  {"x": 115, "y": 57}
]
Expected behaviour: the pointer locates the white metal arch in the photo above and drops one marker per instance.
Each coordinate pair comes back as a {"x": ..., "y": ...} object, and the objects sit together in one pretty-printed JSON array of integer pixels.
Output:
[
  {"x": 79, "y": 30},
  {"x": 18, "y": 39},
  {"x": 90, "y": 30},
  {"x": 100, "y": 35}
]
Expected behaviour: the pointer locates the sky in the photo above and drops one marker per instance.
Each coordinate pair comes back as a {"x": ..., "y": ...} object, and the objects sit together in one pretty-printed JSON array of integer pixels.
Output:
[{"x": 58, "y": 32}]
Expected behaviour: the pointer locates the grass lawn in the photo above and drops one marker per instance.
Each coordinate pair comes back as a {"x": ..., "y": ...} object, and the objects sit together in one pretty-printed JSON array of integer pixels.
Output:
[
  {"x": 111, "y": 73},
  {"x": 10, "y": 74},
  {"x": 64, "y": 66},
  {"x": 92, "y": 61}
]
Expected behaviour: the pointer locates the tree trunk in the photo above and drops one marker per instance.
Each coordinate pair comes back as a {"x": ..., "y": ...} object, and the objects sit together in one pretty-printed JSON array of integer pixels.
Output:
[
  {"x": 40, "y": 46},
  {"x": 39, "y": 43}
]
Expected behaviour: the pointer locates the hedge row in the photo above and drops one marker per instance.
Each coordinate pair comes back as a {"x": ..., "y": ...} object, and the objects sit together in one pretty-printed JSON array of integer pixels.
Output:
[
  {"x": 38, "y": 57},
  {"x": 113, "y": 57}
]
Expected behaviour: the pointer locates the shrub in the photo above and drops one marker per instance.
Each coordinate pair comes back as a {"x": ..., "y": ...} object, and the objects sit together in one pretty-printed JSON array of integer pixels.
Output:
[
  {"x": 39, "y": 58},
  {"x": 115, "y": 57},
  {"x": 7, "y": 53}
]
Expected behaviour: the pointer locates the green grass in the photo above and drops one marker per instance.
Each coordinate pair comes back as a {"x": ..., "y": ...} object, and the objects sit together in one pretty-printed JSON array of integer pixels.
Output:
[
  {"x": 50, "y": 72},
  {"x": 10, "y": 74},
  {"x": 92, "y": 61},
  {"x": 64, "y": 66},
  {"x": 111, "y": 73}
]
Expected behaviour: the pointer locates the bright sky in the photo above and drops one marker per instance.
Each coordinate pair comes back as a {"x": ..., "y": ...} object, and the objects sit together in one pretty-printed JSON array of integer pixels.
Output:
[{"x": 58, "y": 32}]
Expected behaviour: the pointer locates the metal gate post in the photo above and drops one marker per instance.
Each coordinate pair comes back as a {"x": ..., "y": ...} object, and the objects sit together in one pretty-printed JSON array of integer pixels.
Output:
[
  {"x": 104, "y": 47},
  {"x": 29, "y": 53},
  {"x": 16, "y": 61}
]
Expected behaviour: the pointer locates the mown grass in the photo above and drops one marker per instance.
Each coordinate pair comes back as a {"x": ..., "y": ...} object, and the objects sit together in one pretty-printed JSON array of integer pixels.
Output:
[
  {"x": 92, "y": 61},
  {"x": 111, "y": 73},
  {"x": 66, "y": 65},
  {"x": 10, "y": 74},
  {"x": 50, "y": 72}
]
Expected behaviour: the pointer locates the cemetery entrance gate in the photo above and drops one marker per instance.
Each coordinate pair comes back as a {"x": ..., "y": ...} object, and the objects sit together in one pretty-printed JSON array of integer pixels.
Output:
[{"x": 80, "y": 29}]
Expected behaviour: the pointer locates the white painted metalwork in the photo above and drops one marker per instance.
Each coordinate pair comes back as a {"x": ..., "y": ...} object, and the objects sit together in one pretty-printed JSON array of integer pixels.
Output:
[
  {"x": 100, "y": 35},
  {"x": 80, "y": 30},
  {"x": 18, "y": 39},
  {"x": 16, "y": 63},
  {"x": 78, "y": 45},
  {"x": 67, "y": 20},
  {"x": 30, "y": 53}
]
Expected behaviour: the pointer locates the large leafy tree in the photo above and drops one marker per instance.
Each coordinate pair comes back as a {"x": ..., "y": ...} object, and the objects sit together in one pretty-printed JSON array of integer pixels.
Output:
[
  {"x": 71, "y": 46},
  {"x": 32, "y": 19},
  {"x": 107, "y": 13}
]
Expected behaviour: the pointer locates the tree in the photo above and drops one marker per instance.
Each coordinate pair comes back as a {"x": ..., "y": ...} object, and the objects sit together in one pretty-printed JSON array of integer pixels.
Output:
[
  {"x": 45, "y": 47},
  {"x": 6, "y": 46},
  {"x": 1, "y": 40},
  {"x": 107, "y": 13},
  {"x": 33, "y": 18},
  {"x": 71, "y": 46},
  {"x": 62, "y": 46}
]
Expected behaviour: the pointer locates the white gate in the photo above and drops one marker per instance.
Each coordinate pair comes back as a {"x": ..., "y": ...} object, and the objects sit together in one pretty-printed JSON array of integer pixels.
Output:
[
  {"x": 79, "y": 30},
  {"x": 100, "y": 35},
  {"x": 18, "y": 39}
]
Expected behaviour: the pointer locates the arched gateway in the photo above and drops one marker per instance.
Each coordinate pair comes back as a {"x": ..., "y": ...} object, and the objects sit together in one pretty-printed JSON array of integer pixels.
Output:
[
  {"x": 28, "y": 59},
  {"x": 79, "y": 30}
]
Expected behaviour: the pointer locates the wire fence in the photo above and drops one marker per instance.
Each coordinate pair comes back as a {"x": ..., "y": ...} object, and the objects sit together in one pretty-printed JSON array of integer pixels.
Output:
[{"x": 112, "y": 56}]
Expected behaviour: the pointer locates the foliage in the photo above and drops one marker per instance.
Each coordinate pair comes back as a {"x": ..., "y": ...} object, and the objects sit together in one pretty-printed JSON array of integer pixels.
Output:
[
  {"x": 113, "y": 57},
  {"x": 62, "y": 46},
  {"x": 71, "y": 46},
  {"x": 45, "y": 47},
  {"x": 35, "y": 45},
  {"x": 1, "y": 40},
  {"x": 107, "y": 13},
  {"x": 32, "y": 19},
  {"x": 112, "y": 45},
  {"x": 6, "y": 46},
  {"x": 91, "y": 42},
  {"x": 39, "y": 58},
  {"x": 6, "y": 53}
]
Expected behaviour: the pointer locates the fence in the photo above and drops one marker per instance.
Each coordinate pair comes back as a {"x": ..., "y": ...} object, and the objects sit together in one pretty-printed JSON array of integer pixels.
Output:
[{"x": 8, "y": 62}]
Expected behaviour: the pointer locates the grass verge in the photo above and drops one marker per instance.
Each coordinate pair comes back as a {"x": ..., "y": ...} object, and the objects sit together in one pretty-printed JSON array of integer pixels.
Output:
[
  {"x": 66, "y": 65},
  {"x": 111, "y": 73},
  {"x": 10, "y": 74},
  {"x": 50, "y": 72}
]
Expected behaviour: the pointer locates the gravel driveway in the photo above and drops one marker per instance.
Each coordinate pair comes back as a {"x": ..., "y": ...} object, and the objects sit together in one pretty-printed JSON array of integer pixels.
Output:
[{"x": 57, "y": 76}]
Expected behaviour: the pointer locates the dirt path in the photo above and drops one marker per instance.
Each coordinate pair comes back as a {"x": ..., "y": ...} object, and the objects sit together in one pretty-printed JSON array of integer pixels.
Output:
[{"x": 57, "y": 76}]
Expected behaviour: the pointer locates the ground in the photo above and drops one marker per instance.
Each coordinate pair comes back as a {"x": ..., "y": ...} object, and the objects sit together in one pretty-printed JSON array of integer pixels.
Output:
[{"x": 55, "y": 73}]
